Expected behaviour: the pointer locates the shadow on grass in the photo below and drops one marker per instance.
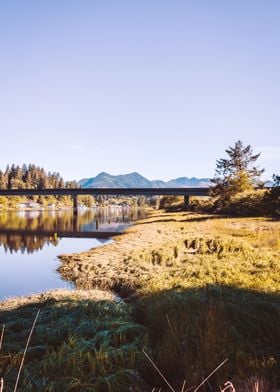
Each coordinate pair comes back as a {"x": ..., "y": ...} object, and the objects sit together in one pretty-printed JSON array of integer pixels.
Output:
[
  {"x": 190, "y": 332},
  {"x": 86, "y": 345},
  {"x": 77, "y": 345}
]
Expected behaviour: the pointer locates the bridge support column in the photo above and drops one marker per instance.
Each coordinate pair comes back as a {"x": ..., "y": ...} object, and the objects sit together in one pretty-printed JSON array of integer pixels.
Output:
[
  {"x": 158, "y": 202},
  {"x": 187, "y": 201},
  {"x": 75, "y": 204}
]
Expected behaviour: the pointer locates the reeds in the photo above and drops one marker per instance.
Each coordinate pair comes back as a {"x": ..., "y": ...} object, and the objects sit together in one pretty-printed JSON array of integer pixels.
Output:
[
  {"x": 25, "y": 350},
  {"x": 2, "y": 336},
  {"x": 183, "y": 388},
  {"x": 1, "y": 343},
  {"x": 24, "y": 353}
]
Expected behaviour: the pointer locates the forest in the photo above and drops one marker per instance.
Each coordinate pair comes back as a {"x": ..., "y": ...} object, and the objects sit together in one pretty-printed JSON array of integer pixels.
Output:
[{"x": 31, "y": 177}]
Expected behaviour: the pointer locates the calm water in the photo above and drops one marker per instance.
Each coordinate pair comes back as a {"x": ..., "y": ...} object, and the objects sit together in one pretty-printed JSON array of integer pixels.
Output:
[{"x": 30, "y": 242}]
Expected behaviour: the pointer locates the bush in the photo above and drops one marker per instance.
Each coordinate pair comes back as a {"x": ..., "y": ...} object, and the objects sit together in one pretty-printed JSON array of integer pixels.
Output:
[
  {"x": 248, "y": 203},
  {"x": 171, "y": 202},
  {"x": 261, "y": 202},
  {"x": 272, "y": 201}
]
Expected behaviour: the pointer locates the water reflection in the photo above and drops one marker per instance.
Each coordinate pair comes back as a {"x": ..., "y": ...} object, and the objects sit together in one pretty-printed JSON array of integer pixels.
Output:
[
  {"x": 30, "y": 231},
  {"x": 25, "y": 243}
]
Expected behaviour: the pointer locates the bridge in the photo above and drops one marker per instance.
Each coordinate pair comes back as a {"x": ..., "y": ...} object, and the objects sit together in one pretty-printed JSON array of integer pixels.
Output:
[{"x": 75, "y": 192}]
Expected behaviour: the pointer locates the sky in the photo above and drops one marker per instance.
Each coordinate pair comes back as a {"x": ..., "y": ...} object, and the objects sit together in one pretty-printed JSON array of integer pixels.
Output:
[{"x": 161, "y": 87}]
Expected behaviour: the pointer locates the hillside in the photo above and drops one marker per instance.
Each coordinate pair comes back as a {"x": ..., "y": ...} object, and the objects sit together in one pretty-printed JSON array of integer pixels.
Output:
[{"x": 136, "y": 180}]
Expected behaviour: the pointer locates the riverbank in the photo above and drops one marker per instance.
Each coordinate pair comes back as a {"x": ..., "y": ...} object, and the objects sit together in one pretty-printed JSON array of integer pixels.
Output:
[
  {"x": 31, "y": 241},
  {"x": 196, "y": 289},
  {"x": 153, "y": 253}
]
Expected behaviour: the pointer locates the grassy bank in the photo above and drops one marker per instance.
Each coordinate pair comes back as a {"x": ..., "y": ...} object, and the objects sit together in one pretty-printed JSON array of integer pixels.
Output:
[
  {"x": 198, "y": 289},
  {"x": 83, "y": 341},
  {"x": 182, "y": 249}
]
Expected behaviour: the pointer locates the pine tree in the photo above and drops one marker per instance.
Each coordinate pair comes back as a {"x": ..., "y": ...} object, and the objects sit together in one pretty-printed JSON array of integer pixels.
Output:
[
  {"x": 273, "y": 197},
  {"x": 237, "y": 173},
  {"x": 31, "y": 176},
  {"x": 3, "y": 183}
]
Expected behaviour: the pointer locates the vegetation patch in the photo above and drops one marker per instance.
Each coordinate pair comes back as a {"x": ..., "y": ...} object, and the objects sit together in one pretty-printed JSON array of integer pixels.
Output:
[
  {"x": 192, "y": 331},
  {"x": 196, "y": 290},
  {"x": 83, "y": 341}
]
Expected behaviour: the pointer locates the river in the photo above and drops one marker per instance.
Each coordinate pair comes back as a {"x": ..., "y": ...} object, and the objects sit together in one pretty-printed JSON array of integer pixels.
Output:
[{"x": 30, "y": 242}]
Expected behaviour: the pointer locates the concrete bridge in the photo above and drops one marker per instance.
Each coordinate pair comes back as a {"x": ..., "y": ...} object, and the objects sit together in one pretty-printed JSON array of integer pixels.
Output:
[{"x": 75, "y": 192}]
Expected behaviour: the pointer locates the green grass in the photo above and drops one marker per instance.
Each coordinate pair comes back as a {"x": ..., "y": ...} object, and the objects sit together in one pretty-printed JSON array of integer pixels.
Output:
[
  {"x": 204, "y": 289},
  {"x": 77, "y": 345},
  {"x": 192, "y": 331}
]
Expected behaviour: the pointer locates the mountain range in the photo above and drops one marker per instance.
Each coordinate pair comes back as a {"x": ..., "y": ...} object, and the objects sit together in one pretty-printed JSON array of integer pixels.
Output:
[{"x": 136, "y": 180}]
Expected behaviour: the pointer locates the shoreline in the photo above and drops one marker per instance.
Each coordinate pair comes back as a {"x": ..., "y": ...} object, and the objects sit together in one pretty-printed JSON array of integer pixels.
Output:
[
  {"x": 53, "y": 293},
  {"x": 78, "y": 268},
  {"x": 12, "y": 303},
  {"x": 158, "y": 246},
  {"x": 98, "y": 235},
  {"x": 147, "y": 247},
  {"x": 193, "y": 290},
  {"x": 114, "y": 267}
]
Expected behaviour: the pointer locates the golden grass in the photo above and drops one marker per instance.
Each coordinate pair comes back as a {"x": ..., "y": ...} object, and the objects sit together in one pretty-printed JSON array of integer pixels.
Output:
[
  {"x": 201, "y": 288},
  {"x": 221, "y": 270},
  {"x": 55, "y": 295},
  {"x": 183, "y": 249}
]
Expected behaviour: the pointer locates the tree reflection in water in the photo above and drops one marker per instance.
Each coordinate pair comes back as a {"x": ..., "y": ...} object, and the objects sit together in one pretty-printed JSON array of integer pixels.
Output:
[
  {"x": 24, "y": 243},
  {"x": 30, "y": 231}
]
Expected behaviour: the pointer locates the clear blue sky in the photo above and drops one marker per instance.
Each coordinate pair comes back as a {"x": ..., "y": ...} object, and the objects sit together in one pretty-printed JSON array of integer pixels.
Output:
[{"x": 161, "y": 87}]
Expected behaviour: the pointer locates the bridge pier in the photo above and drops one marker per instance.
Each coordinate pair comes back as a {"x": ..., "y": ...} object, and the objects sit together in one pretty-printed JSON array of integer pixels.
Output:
[
  {"x": 187, "y": 201},
  {"x": 75, "y": 203},
  {"x": 75, "y": 212}
]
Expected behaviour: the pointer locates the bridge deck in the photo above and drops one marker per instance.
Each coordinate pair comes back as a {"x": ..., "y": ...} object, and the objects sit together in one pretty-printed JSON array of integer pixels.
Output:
[{"x": 107, "y": 191}]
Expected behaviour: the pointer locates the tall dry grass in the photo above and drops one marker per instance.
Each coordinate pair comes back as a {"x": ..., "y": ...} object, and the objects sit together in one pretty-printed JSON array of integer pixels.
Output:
[{"x": 198, "y": 289}]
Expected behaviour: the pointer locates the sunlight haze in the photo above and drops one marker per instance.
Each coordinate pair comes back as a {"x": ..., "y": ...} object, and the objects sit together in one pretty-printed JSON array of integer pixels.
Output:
[{"x": 157, "y": 87}]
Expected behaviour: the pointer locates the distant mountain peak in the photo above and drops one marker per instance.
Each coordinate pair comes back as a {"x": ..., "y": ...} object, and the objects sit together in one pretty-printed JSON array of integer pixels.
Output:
[
  {"x": 102, "y": 174},
  {"x": 133, "y": 174},
  {"x": 136, "y": 180}
]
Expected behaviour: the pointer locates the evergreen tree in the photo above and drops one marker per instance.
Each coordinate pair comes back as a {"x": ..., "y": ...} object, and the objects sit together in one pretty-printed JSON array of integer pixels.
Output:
[
  {"x": 31, "y": 176},
  {"x": 237, "y": 173},
  {"x": 273, "y": 197},
  {"x": 276, "y": 180},
  {"x": 3, "y": 180}
]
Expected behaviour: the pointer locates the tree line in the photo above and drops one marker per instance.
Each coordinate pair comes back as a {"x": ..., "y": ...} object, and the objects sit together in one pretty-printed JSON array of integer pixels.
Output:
[{"x": 32, "y": 177}]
